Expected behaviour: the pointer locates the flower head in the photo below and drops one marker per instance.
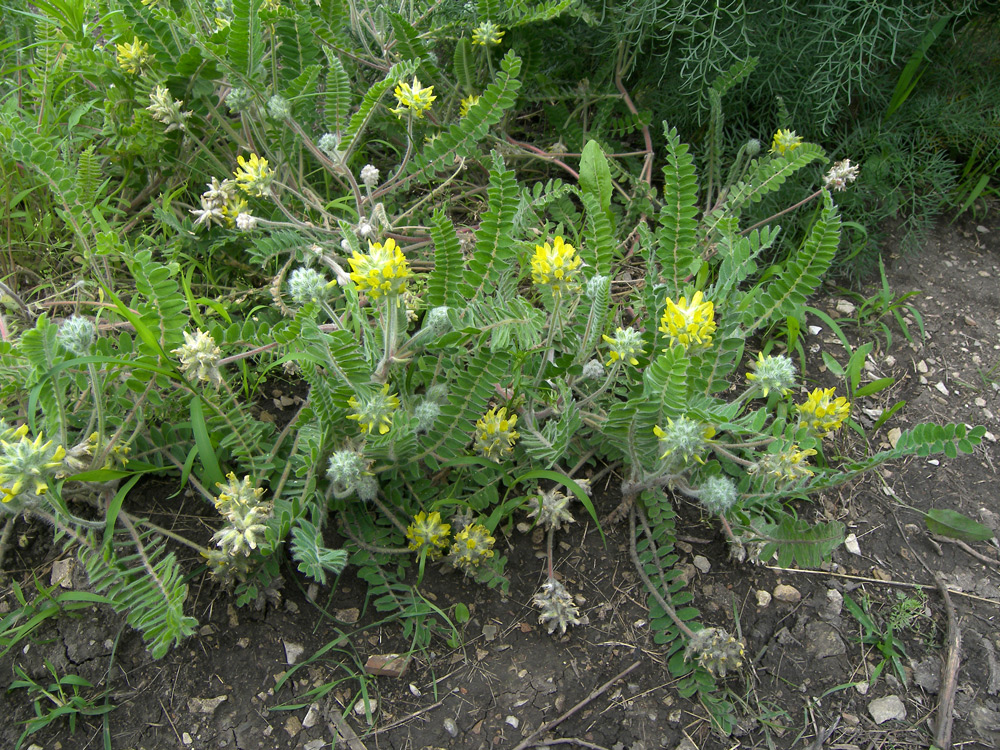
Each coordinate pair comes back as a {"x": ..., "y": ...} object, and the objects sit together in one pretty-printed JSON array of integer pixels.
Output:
[
  {"x": 253, "y": 176},
  {"x": 473, "y": 544},
  {"x": 716, "y": 651},
  {"x": 413, "y": 98},
  {"x": 133, "y": 58},
  {"x": 329, "y": 144},
  {"x": 383, "y": 270},
  {"x": 238, "y": 100},
  {"x": 841, "y": 175},
  {"x": 550, "y": 509},
  {"x": 773, "y": 373},
  {"x": 200, "y": 357},
  {"x": 426, "y": 412},
  {"x": 369, "y": 175},
  {"x": 785, "y": 466},
  {"x": 220, "y": 204},
  {"x": 246, "y": 221},
  {"x": 495, "y": 434},
  {"x": 164, "y": 108},
  {"x": 625, "y": 346},
  {"x": 684, "y": 439},
  {"x": 556, "y": 266},
  {"x": 718, "y": 494},
  {"x": 428, "y": 532},
  {"x": 239, "y": 502},
  {"x": 689, "y": 324},
  {"x": 375, "y": 409},
  {"x": 785, "y": 141},
  {"x": 279, "y": 108},
  {"x": 557, "y": 607},
  {"x": 822, "y": 414},
  {"x": 463, "y": 106},
  {"x": 345, "y": 469},
  {"x": 592, "y": 370},
  {"x": 487, "y": 34},
  {"x": 77, "y": 334},
  {"x": 26, "y": 467}
]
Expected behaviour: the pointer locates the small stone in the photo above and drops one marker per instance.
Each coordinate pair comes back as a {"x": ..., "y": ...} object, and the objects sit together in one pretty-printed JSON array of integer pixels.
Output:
[
  {"x": 815, "y": 330},
  {"x": 942, "y": 388},
  {"x": 980, "y": 402},
  {"x": 933, "y": 462},
  {"x": 490, "y": 632},
  {"x": 315, "y": 745},
  {"x": 450, "y": 727},
  {"x": 312, "y": 716},
  {"x": 830, "y": 609},
  {"x": 763, "y": 598},
  {"x": 850, "y": 719},
  {"x": 205, "y": 705},
  {"x": 970, "y": 321},
  {"x": 701, "y": 563},
  {"x": 292, "y": 651},
  {"x": 186, "y": 738},
  {"x": 349, "y": 615},
  {"x": 62, "y": 573},
  {"x": 512, "y": 721},
  {"x": 894, "y": 435},
  {"x": 890, "y": 360},
  {"x": 927, "y": 674},
  {"x": 822, "y": 640},
  {"x": 785, "y": 593},
  {"x": 861, "y": 687},
  {"x": 387, "y": 665},
  {"x": 363, "y": 706},
  {"x": 922, "y": 367},
  {"x": 293, "y": 726},
  {"x": 887, "y": 708},
  {"x": 845, "y": 307},
  {"x": 851, "y": 544},
  {"x": 686, "y": 744}
]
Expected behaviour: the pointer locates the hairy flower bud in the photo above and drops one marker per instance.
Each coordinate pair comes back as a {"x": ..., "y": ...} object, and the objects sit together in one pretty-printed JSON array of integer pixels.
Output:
[
  {"x": 307, "y": 285},
  {"x": 773, "y": 373},
  {"x": 718, "y": 494},
  {"x": 716, "y": 651},
  {"x": 596, "y": 286},
  {"x": 77, "y": 334},
  {"x": 557, "y": 607},
  {"x": 345, "y": 470},
  {"x": 436, "y": 321},
  {"x": 369, "y": 176},
  {"x": 238, "y": 100},
  {"x": 367, "y": 488},
  {"x": 426, "y": 412},
  {"x": 592, "y": 370},
  {"x": 199, "y": 357},
  {"x": 279, "y": 107},
  {"x": 752, "y": 147}
]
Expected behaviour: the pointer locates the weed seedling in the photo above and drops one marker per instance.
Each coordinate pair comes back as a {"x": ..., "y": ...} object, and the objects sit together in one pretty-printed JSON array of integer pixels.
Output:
[{"x": 887, "y": 644}]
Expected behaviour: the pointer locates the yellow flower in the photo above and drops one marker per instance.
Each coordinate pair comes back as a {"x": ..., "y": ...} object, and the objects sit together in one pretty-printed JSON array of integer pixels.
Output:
[
  {"x": 785, "y": 141},
  {"x": 823, "y": 415},
  {"x": 133, "y": 58},
  {"x": 428, "y": 532},
  {"x": 473, "y": 544},
  {"x": 382, "y": 271},
  {"x": 254, "y": 176},
  {"x": 375, "y": 409},
  {"x": 470, "y": 101},
  {"x": 625, "y": 346},
  {"x": 689, "y": 324},
  {"x": 487, "y": 34},
  {"x": 773, "y": 373},
  {"x": 787, "y": 465},
  {"x": 413, "y": 98},
  {"x": 495, "y": 434},
  {"x": 26, "y": 463},
  {"x": 557, "y": 266},
  {"x": 684, "y": 439}
]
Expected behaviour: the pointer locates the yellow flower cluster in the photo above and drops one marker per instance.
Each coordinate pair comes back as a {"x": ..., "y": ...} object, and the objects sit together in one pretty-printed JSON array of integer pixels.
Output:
[
  {"x": 787, "y": 465},
  {"x": 487, "y": 34},
  {"x": 376, "y": 409},
  {"x": 473, "y": 544},
  {"x": 689, "y": 324},
  {"x": 470, "y": 101},
  {"x": 26, "y": 464},
  {"x": 626, "y": 345},
  {"x": 413, "y": 98},
  {"x": 253, "y": 176},
  {"x": 495, "y": 434},
  {"x": 383, "y": 270},
  {"x": 133, "y": 58},
  {"x": 556, "y": 266},
  {"x": 785, "y": 141},
  {"x": 822, "y": 413},
  {"x": 428, "y": 532}
]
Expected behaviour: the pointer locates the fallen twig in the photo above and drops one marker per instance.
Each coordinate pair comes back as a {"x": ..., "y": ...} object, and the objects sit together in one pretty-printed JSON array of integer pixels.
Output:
[
  {"x": 975, "y": 553},
  {"x": 340, "y": 728},
  {"x": 529, "y": 740}
]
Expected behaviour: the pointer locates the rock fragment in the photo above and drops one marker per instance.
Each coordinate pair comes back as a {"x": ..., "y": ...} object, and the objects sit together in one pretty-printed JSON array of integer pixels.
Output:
[
  {"x": 887, "y": 708},
  {"x": 785, "y": 593}
]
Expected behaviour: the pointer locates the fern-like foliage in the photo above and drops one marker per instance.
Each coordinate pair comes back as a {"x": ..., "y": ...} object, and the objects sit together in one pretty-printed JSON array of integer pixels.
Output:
[
  {"x": 142, "y": 580},
  {"x": 443, "y": 282},
  {"x": 366, "y": 110},
  {"x": 314, "y": 559},
  {"x": 496, "y": 249},
  {"x": 337, "y": 97},
  {"x": 551, "y": 442},
  {"x": 795, "y": 541},
  {"x": 246, "y": 40},
  {"x": 676, "y": 246}
]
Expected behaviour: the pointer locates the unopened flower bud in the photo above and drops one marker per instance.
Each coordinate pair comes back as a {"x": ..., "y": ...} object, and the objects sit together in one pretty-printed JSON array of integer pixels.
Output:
[
  {"x": 77, "y": 334},
  {"x": 369, "y": 176},
  {"x": 279, "y": 107},
  {"x": 307, "y": 285},
  {"x": 718, "y": 494},
  {"x": 426, "y": 412}
]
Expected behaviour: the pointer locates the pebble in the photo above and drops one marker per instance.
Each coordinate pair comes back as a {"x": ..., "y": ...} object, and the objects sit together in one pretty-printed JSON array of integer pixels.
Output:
[
  {"x": 450, "y": 727},
  {"x": 822, "y": 640},
  {"x": 293, "y": 726},
  {"x": 845, "y": 307},
  {"x": 887, "y": 708},
  {"x": 292, "y": 651},
  {"x": 62, "y": 573},
  {"x": 942, "y": 388},
  {"x": 512, "y": 721},
  {"x": 701, "y": 563},
  {"x": 980, "y": 401},
  {"x": 312, "y": 716},
  {"x": 851, "y": 543},
  {"x": 785, "y": 593},
  {"x": 763, "y": 598},
  {"x": 205, "y": 705},
  {"x": 830, "y": 609},
  {"x": 186, "y": 738},
  {"x": 922, "y": 367}
]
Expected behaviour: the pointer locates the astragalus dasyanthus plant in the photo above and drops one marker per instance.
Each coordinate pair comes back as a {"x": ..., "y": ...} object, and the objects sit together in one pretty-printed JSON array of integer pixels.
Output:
[{"x": 459, "y": 377}]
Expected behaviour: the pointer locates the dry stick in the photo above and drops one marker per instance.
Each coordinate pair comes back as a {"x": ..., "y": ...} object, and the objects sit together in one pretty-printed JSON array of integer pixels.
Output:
[
  {"x": 975, "y": 553},
  {"x": 949, "y": 673},
  {"x": 340, "y": 728},
  {"x": 593, "y": 696}
]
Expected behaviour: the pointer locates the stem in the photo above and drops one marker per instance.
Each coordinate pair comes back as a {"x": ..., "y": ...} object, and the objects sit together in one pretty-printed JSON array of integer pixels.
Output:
[
  {"x": 671, "y": 613},
  {"x": 782, "y": 212},
  {"x": 547, "y": 348}
]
